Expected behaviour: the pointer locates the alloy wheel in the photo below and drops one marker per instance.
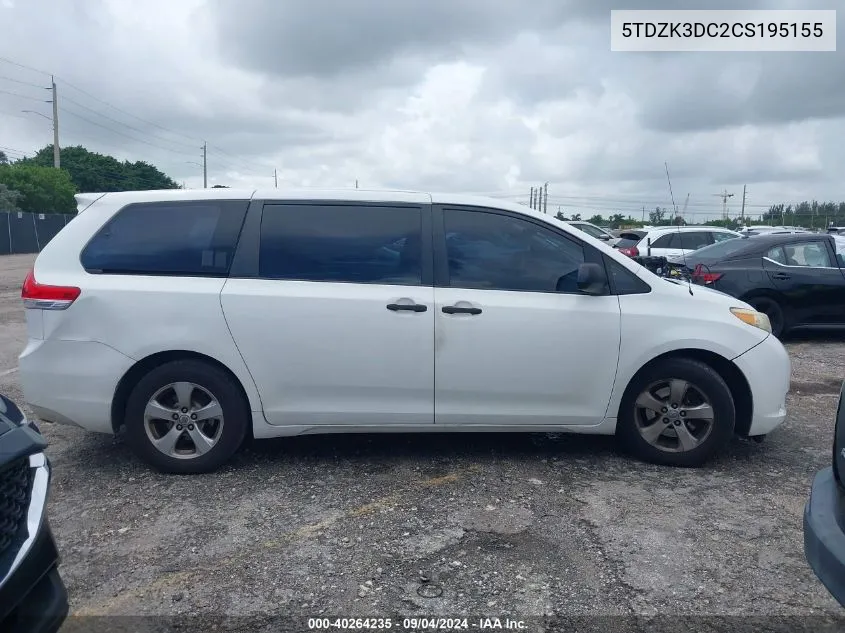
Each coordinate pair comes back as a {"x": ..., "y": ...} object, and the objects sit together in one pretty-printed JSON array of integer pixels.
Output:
[
  {"x": 183, "y": 420},
  {"x": 674, "y": 415}
]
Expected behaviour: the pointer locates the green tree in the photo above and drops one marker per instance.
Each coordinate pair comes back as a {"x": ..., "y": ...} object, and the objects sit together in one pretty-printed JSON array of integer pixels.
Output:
[
  {"x": 220, "y": 187},
  {"x": 657, "y": 216},
  {"x": 576, "y": 217},
  {"x": 9, "y": 199},
  {"x": 4, "y": 160},
  {"x": 616, "y": 220},
  {"x": 93, "y": 173},
  {"x": 597, "y": 220},
  {"x": 41, "y": 189}
]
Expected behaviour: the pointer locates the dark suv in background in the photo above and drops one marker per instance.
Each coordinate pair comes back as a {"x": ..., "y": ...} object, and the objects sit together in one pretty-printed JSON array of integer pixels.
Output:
[{"x": 32, "y": 596}]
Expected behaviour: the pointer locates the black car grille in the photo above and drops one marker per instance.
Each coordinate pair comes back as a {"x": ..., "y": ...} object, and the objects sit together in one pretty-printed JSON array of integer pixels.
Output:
[{"x": 15, "y": 490}]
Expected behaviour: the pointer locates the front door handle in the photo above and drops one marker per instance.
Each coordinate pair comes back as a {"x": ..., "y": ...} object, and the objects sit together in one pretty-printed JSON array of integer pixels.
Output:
[
  {"x": 781, "y": 276},
  {"x": 409, "y": 307},
  {"x": 460, "y": 310}
]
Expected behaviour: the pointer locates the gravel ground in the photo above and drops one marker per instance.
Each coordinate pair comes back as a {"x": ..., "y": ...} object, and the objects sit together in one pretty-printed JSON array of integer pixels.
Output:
[{"x": 507, "y": 526}]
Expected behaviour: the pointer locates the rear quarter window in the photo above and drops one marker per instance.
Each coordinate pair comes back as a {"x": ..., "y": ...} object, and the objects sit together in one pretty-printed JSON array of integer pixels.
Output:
[{"x": 168, "y": 238}]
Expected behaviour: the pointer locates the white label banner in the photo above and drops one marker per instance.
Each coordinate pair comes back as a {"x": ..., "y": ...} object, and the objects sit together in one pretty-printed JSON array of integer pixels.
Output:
[{"x": 723, "y": 31}]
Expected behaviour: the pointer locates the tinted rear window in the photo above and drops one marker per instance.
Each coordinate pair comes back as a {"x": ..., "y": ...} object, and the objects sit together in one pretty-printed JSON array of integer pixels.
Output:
[
  {"x": 341, "y": 243},
  {"x": 626, "y": 243},
  {"x": 168, "y": 238},
  {"x": 719, "y": 250}
]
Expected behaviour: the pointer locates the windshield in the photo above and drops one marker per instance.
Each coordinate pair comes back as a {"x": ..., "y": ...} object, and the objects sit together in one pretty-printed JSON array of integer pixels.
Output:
[{"x": 719, "y": 250}]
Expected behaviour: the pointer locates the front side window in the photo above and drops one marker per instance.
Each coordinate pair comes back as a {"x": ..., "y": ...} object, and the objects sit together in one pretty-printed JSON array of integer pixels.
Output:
[
  {"x": 341, "y": 243},
  {"x": 776, "y": 254},
  {"x": 812, "y": 254},
  {"x": 491, "y": 251},
  {"x": 168, "y": 238}
]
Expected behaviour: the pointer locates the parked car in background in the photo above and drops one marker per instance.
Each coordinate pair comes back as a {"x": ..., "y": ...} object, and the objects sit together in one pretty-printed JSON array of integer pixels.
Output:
[
  {"x": 763, "y": 229},
  {"x": 675, "y": 242},
  {"x": 194, "y": 318},
  {"x": 824, "y": 515},
  {"x": 594, "y": 231},
  {"x": 628, "y": 238},
  {"x": 797, "y": 279},
  {"x": 33, "y": 598}
]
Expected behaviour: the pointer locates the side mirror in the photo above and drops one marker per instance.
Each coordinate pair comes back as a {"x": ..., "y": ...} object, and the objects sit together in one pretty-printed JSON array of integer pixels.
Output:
[
  {"x": 604, "y": 237},
  {"x": 592, "y": 279}
]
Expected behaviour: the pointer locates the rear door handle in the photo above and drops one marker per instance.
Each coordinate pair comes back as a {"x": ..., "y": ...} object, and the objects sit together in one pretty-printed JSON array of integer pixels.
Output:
[
  {"x": 782, "y": 276},
  {"x": 459, "y": 310},
  {"x": 409, "y": 307}
]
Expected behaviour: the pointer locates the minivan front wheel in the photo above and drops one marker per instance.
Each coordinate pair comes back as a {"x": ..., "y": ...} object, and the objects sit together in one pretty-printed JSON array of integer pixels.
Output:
[
  {"x": 677, "y": 412},
  {"x": 186, "y": 416}
]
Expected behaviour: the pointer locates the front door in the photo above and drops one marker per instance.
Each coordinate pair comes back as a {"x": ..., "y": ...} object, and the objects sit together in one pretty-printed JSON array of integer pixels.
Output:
[
  {"x": 337, "y": 326},
  {"x": 807, "y": 275},
  {"x": 516, "y": 343}
]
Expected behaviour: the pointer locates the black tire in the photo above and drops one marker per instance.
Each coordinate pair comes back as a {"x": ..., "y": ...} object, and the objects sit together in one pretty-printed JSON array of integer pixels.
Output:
[
  {"x": 707, "y": 383},
  {"x": 772, "y": 309},
  {"x": 236, "y": 416}
]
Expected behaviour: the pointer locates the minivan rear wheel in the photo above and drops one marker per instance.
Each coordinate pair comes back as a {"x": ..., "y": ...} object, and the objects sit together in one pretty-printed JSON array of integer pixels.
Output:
[
  {"x": 186, "y": 416},
  {"x": 677, "y": 412}
]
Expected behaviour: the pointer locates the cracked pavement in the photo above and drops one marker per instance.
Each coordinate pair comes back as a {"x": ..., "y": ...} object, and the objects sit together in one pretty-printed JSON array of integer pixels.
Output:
[{"x": 481, "y": 525}]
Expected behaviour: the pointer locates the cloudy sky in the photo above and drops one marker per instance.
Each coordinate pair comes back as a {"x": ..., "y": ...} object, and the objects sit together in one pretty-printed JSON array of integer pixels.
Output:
[{"x": 481, "y": 96}]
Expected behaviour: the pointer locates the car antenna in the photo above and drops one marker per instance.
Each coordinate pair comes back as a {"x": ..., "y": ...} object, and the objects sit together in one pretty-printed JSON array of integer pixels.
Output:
[{"x": 674, "y": 218}]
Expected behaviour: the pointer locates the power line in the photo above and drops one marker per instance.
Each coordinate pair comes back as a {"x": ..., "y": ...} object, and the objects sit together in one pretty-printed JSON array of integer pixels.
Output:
[
  {"x": 25, "y": 83},
  {"x": 13, "y": 63},
  {"x": 138, "y": 140},
  {"x": 82, "y": 105},
  {"x": 129, "y": 114},
  {"x": 17, "y": 94}
]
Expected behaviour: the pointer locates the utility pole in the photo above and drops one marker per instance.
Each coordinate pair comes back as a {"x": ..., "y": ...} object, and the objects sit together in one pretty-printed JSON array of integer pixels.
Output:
[
  {"x": 56, "y": 150},
  {"x": 546, "y": 198},
  {"x": 276, "y": 178},
  {"x": 204, "y": 165},
  {"x": 643, "y": 215},
  {"x": 724, "y": 196},
  {"x": 531, "y": 198},
  {"x": 356, "y": 183},
  {"x": 742, "y": 213}
]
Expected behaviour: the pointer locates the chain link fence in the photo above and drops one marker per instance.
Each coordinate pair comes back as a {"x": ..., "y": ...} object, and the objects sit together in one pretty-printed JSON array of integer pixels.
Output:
[{"x": 22, "y": 232}]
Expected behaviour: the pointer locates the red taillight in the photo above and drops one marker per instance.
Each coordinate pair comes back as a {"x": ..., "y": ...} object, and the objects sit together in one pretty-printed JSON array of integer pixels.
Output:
[
  {"x": 700, "y": 276},
  {"x": 42, "y": 297},
  {"x": 630, "y": 252}
]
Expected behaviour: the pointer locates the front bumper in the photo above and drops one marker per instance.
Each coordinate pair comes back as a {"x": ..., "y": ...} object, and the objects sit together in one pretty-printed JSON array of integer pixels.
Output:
[
  {"x": 34, "y": 600},
  {"x": 824, "y": 533},
  {"x": 767, "y": 368},
  {"x": 32, "y": 596}
]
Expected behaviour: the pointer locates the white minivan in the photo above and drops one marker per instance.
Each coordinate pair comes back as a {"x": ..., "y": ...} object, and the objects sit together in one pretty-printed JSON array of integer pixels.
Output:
[{"x": 195, "y": 319}]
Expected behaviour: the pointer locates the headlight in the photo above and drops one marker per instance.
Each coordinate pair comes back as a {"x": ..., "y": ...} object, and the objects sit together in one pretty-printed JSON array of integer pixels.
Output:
[{"x": 752, "y": 317}]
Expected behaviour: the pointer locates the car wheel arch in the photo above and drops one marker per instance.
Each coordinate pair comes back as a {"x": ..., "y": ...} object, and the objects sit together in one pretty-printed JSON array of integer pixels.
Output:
[
  {"x": 730, "y": 373},
  {"x": 128, "y": 381}
]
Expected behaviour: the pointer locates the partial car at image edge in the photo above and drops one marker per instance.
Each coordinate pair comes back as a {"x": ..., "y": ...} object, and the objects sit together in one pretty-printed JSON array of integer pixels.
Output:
[
  {"x": 261, "y": 314},
  {"x": 33, "y": 598},
  {"x": 824, "y": 515}
]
